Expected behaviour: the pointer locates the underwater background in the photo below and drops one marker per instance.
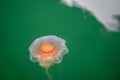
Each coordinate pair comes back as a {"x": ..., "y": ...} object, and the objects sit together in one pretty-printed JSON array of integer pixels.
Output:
[{"x": 94, "y": 52}]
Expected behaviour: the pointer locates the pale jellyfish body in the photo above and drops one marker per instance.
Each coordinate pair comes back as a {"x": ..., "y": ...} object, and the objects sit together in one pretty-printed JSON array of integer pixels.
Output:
[{"x": 48, "y": 50}]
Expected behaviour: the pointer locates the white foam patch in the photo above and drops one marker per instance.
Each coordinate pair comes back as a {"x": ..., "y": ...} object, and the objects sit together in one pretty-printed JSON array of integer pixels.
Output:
[{"x": 104, "y": 10}]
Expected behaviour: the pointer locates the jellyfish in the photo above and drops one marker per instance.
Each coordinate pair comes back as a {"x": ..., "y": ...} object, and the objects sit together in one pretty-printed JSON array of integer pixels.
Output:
[{"x": 48, "y": 50}]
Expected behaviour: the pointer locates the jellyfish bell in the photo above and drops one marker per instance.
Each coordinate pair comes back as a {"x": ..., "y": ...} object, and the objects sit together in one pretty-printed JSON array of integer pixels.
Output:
[{"x": 48, "y": 50}]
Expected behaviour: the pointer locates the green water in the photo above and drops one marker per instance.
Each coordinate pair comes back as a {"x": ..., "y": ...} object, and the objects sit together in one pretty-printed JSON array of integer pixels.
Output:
[{"x": 94, "y": 52}]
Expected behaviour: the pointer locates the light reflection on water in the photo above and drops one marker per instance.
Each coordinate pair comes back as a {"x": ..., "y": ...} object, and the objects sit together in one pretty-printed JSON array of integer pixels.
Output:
[{"x": 104, "y": 10}]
